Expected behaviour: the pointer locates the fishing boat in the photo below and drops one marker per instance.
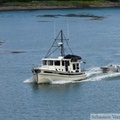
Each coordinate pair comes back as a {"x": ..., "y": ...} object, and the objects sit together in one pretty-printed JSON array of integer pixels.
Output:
[{"x": 62, "y": 68}]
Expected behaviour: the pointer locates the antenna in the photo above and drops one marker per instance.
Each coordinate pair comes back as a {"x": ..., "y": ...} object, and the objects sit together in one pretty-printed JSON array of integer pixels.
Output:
[
  {"x": 68, "y": 29},
  {"x": 61, "y": 44},
  {"x": 54, "y": 29}
]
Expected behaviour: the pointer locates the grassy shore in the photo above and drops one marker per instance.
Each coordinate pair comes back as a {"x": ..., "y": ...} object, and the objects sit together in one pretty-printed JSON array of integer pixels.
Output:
[{"x": 57, "y": 4}]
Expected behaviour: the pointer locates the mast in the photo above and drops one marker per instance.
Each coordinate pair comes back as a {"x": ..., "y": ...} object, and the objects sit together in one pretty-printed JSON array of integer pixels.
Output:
[{"x": 61, "y": 44}]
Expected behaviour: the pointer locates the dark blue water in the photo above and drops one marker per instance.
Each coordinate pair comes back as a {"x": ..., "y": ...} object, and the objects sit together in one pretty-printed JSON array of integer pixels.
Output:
[{"x": 96, "y": 40}]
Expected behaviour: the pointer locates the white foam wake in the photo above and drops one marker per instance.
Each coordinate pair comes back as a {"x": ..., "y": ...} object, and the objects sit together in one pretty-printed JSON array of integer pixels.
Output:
[
  {"x": 93, "y": 71},
  {"x": 29, "y": 80},
  {"x": 102, "y": 77},
  {"x": 63, "y": 82}
]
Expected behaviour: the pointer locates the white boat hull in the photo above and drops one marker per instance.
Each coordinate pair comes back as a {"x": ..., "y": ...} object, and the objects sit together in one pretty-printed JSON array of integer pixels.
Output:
[{"x": 48, "y": 78}]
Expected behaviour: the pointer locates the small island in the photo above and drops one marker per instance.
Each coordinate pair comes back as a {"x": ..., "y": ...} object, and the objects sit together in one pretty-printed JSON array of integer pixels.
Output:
[{"x": 55, "y": 4}]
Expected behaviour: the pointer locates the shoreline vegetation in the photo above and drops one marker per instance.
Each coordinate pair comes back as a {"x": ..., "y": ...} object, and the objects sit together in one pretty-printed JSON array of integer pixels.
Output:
[{"x": 55, "y": 4}]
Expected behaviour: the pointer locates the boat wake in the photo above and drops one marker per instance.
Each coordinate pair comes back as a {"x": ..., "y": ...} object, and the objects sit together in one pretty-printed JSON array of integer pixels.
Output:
[
  {"x": 93, "y": 74},
  {"x": 29, "y": 80},
  {"x": 102, "y": 77},
  {"x": 63, "y": 82}
]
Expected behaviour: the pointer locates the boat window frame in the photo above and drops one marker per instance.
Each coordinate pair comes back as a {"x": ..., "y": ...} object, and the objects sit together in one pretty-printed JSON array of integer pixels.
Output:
[
  {"x": 44, "y": 62},
  {"x": 50, "y": 62},
  {"x": 67, "y": 62},
  {"x": 57, "y": 62},
  {"x": 77, "y": 65},
  {"x": 74, "y": 66},
  {"x": 63, "y": 62}
]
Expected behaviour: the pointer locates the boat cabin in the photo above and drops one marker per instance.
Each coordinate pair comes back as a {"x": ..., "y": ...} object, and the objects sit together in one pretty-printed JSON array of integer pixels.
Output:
[{"x": 69, "y": 63}]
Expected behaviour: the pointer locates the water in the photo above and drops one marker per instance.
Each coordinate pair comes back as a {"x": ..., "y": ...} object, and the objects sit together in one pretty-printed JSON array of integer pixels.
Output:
[{"x": 96, "y": 40}]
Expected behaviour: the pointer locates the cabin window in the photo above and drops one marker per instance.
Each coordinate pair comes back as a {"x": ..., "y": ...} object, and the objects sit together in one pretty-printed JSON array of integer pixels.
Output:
[
  {"x": 50, "y": 62},
  {"x": 73, "y": 66},
  {"x": 63, "y": 63},
  {"x": 67, "y": 63},
  {"x": 77, "y": 66},
  {"x": 57, "y": 63},
  {"x": 44, "y": 62}
]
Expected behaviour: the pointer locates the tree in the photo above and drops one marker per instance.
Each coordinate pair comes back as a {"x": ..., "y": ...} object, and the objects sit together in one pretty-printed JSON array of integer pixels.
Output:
[{"x": 114, "y": 0}]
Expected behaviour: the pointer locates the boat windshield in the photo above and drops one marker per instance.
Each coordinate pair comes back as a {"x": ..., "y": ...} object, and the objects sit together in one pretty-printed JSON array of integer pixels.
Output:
[
  {"x": 50, "y": 62},
  {"x": 57, "y": 63},
  {"x": 44, "y": 62}
]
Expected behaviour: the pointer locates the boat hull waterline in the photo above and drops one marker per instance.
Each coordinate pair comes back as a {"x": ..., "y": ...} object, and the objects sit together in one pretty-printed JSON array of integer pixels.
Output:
[{"x": 48, "y": 78}]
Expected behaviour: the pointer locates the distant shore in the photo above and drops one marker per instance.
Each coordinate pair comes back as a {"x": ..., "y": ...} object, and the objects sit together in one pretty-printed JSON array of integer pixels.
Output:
[{"x": 7, "y": 7}]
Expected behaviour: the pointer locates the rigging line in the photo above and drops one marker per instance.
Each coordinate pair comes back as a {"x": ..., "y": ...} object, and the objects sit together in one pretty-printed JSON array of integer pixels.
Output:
[
  {"x": 68, "y": 29},
  {"x": 70, "y": 48},
  {"x": 54, "y": 29},
  {"x": 51, "y": 47},
  {"x": 68, "y": 44},
  {"x": 58, "y": 35},
  {"x": 52, "y": 52}
]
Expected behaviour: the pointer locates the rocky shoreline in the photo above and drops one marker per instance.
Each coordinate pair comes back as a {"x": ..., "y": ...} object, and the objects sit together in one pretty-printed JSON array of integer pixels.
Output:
[{"x": 41, "y": 7}]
